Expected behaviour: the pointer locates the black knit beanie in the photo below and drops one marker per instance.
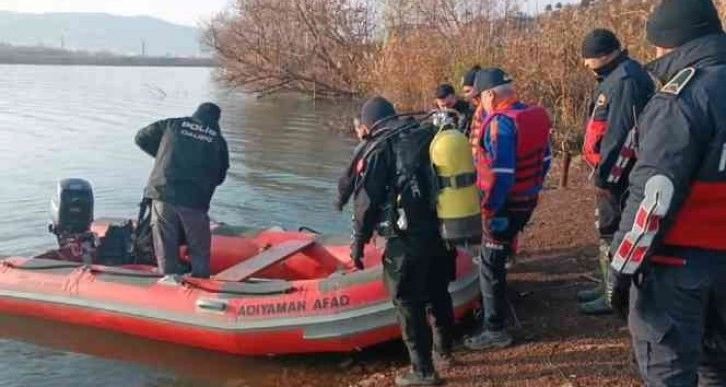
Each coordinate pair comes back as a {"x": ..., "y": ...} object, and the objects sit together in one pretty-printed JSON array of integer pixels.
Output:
[
  {"x": 376, "y": 109},
  {"x": 598, "y": 43},
  {"x": 208, "y": 113},
  {"x": 470, "y": 76},
  {"x": 676, "y": 22}
]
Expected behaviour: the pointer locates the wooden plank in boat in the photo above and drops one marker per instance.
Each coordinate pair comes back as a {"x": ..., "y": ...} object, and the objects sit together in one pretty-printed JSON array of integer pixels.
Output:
[{"x": 262, "y": 261}]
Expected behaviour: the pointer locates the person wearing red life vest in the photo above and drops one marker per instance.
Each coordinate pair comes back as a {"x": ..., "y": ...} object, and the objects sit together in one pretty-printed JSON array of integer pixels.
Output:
[
  {"x": 511, "y": 145},
  {"x": 623, "y": 89},
  {"x": 668, "y": 270}
]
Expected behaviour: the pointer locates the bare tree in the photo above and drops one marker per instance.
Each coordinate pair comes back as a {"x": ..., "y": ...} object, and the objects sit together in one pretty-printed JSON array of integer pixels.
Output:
[{"x": 310, "y": 46}]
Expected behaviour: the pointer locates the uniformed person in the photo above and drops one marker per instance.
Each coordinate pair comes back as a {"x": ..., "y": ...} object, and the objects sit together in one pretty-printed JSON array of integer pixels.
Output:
[
  {"x": 190, "y": 161},
  {"x": 393, "y": 196},
  {"x": 672, "y": 240},
  {"x": 624, "y": 88}
]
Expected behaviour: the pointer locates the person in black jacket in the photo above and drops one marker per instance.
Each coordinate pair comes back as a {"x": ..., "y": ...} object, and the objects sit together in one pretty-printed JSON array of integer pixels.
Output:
[
  {"x": 393, "y": 196},
  {"x": 446, "y": 99},
  {"x": 623, "y": 90},
  {"x": 671, "y": 244},
  {"x": 467, "y": 84},
  {"x": 191, "y": 161}
]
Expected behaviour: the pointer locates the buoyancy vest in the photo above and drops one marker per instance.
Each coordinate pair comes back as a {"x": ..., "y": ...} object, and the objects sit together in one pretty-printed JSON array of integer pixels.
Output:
[{"x": 532, "y": 125}]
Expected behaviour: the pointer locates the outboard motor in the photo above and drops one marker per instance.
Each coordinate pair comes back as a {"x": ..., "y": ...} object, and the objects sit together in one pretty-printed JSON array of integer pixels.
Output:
[{"x": 72, "y": 216}]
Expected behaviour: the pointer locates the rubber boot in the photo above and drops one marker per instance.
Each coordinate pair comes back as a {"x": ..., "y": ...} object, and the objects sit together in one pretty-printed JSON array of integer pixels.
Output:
[
  {"x": 600, "y": 306},
  {"x": 590, "y": 295}
]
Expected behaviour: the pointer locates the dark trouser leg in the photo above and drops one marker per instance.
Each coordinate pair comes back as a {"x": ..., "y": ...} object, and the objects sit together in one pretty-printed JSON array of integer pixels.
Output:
[
  {"x": 713, "y": 368},
  {"x": 667, "y": 323},
  {"x": 405, "y": 278},
  {"x": 165, "y": 227},
  {"x": 199, "y": 239},
  {"x": 609, "y": 211},
  {"x": 495, "y": 251},
  {"x": 493, "y": 282},
  {"x": 443, "y": 271},
  {"x": 610, "y": 208}
]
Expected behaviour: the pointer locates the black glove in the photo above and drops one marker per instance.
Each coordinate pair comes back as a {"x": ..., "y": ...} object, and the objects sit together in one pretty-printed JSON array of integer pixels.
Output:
[
  {"x": 618, "y": 292},
  {"x": 356, "y": 254}
]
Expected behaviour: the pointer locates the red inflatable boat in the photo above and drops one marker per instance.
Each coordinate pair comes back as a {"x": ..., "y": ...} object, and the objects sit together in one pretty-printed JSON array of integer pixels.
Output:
[{"x": 272, "y": 292}]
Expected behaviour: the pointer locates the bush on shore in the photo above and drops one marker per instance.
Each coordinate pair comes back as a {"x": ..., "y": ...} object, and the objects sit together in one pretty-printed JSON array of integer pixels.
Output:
[{"x": 403, "y": 48}]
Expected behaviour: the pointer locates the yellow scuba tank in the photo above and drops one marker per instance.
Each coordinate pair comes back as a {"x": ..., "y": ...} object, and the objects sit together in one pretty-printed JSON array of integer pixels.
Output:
[{"x": 457, "y": 202}]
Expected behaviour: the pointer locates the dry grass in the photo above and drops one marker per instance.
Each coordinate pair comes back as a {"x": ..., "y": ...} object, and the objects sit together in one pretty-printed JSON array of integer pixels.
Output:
[
  {"x": 542, "y": 54},
  {"x": 403, "y": 48}
]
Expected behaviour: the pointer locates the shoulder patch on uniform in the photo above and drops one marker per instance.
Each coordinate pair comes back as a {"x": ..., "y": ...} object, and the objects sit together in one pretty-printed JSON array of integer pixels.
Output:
[
  {"x": 602, "y": 99},
  {"x": 679, "y": 82}
]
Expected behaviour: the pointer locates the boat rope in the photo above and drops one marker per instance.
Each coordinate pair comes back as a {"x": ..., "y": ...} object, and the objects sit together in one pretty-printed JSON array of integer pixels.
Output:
[{"x": 191, "y": 282}]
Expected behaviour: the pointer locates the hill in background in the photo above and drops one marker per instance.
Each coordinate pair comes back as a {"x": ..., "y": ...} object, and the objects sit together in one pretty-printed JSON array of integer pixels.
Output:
[{"x": 120, "y": 35}]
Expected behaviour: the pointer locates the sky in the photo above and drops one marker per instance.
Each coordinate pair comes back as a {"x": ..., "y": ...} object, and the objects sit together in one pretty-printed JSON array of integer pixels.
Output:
[{"x": 188, "y": 12}]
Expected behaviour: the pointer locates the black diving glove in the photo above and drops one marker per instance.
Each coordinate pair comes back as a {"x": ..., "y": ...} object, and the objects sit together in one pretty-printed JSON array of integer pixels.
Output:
[
  {"x": 618, "y": 292},
  {"x": 356, "y": 254}
]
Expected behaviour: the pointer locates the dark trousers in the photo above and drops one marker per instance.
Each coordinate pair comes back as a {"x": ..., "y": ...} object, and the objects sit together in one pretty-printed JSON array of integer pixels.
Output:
[
  {"x": 171, "y": 224},
  {"x": 417, "y": 273},
  {"x": 496, "y": 249},
  {"x": 610, "y": 204},
  {"x": 678, "y": 322}
]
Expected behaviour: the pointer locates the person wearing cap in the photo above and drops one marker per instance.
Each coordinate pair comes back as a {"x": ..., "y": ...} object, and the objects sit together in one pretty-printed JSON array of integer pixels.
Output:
[
  {"x": 467, "y": 89},
  {"x": 446, "y": 99},
  {"x": 191, "y": 160},
  {"x": 624, "y": 87},
  {"x": 467, "y": 83},
  {"x": 513, "y": 156},
  {"x": 668, "y": 271},
  {"x": 392, "y": 197}
]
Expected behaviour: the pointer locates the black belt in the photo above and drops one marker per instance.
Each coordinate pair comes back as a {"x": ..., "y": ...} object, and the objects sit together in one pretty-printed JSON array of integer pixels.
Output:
[{"x": 458, "y": 181}]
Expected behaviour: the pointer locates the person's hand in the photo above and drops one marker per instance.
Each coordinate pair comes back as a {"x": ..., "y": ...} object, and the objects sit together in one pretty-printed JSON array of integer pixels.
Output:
[
  {"x": 497, "y": 225},
  {"x": 618, "y": 292},
  {"x": 356, "y": 254}
]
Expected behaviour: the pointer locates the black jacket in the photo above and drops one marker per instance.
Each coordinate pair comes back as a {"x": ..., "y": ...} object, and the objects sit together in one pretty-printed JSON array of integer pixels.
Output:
[
  {"x": 466, "y": 112},
  {"x": 395, "y": 174},
  {"x": 191, "y": 160},
  {"x": 682, "y": 135},
  {"x": 623, "y": 91}
]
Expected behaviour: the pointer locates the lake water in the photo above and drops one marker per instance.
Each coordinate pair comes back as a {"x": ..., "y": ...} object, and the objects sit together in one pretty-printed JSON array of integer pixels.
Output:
[{"x": 61, "y": 122}]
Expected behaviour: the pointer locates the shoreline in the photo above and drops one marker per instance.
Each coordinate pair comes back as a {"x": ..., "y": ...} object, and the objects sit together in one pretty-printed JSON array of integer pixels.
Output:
[{"x": 109, "y": 63}]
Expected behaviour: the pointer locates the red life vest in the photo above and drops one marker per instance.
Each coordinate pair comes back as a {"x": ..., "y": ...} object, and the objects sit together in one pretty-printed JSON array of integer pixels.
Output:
[
  {"x": 532, "y": 126},
  {"x": 701, "y": 222},
  {"x": 477, "y": 129}
]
